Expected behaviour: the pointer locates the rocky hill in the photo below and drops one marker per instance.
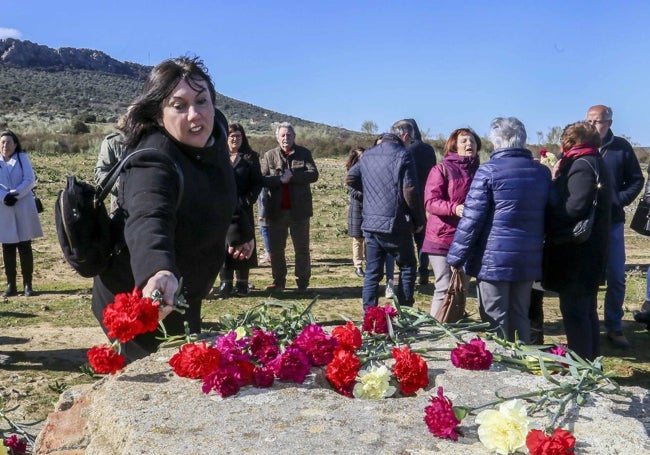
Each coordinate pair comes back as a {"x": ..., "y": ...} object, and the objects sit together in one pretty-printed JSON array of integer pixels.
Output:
[{"x": 48, "y": 84}]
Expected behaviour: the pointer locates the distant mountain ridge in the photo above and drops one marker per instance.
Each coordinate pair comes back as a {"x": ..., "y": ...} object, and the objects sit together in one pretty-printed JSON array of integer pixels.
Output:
[
  {"x": 26, "y": 54},
  {"x": 64, "y": 83}
]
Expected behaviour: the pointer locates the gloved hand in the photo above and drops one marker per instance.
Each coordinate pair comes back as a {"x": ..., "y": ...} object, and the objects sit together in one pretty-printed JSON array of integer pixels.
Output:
[{"x": 10, "y": 200}]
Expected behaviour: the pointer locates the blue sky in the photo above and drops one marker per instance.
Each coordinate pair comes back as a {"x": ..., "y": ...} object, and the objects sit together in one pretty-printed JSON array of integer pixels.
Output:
[{"x": 448, "y": 64}]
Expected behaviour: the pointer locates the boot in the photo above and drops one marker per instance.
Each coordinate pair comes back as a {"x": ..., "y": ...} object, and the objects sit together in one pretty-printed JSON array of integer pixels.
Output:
[
  {"x": 28, "y": 291},
  {"x": 11, "y": 290},
  {"x": 225, "y": 289},
  {"x": 242, "y": 289}
]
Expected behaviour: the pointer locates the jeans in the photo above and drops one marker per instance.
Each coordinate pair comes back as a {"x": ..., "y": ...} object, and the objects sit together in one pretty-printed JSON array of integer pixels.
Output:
[
  {"x": 505, "y": 305},
  {"x": 264, "y": 232},
  {"x": 378, "y": 247},
  {"x": 390, "y": 267},
  {"x": 615, "y": 294}
]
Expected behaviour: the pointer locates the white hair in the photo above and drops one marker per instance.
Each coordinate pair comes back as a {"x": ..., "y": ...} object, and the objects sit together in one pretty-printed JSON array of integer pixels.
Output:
[
  {"x": 507, "y": 132},
  {"x": 284, "y": 125}
]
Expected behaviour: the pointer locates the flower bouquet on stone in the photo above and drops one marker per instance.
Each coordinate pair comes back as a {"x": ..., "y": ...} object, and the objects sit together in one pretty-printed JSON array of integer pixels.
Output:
[
  {"x": 509, "y": 427},
  {"x": 129, "y": 315}
]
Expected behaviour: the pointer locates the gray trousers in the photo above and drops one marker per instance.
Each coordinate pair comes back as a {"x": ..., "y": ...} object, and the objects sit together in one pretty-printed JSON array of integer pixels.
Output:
[
  {"x": 280, "y": 228},
  {"x": 442, "y": 274},
  {"x": 505, "y": 305}
]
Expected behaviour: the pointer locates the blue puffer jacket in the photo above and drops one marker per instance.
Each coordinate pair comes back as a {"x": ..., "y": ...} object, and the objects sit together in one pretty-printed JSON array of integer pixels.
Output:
[
  {"x": 501, "y": 234},
  {"x": 386, "y": 175}
]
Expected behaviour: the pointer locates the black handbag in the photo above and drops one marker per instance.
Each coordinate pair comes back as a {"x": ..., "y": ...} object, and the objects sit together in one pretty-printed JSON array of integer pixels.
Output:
[
  {"x": 641, "y": 219},
  {"x": 580, "y": 231},
  {"x": 39, "y": 204}
]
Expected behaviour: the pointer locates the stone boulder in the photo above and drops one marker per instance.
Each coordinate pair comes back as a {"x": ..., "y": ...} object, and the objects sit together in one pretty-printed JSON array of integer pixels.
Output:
[{"x": 147, "y": 409}]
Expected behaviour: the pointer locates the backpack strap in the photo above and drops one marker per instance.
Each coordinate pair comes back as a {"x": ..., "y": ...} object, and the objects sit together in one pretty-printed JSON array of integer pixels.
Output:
[{"x": 105, "y": 186}]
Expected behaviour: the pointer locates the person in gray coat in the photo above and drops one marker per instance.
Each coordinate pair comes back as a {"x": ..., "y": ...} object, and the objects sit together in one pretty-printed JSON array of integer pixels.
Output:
[{"x": 19, "y": 222}]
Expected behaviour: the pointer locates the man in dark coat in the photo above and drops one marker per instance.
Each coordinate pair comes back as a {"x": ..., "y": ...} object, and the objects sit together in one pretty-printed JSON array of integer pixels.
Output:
[
  {"x": 627, "y": 181},
  {"x": 288, "y": 172},
  {"x": 425, "y": 158},
  {"x": 392, "y": 211}
]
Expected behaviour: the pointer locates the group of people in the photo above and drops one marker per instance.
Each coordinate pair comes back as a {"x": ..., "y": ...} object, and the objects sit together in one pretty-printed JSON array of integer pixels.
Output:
[
  {"x": 186, "y": 211},
  {"x": 508, "y": 222}
]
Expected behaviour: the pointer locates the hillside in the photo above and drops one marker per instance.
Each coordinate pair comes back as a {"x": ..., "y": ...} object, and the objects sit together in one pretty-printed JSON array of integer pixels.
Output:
[{"x": 46, "y": 85}]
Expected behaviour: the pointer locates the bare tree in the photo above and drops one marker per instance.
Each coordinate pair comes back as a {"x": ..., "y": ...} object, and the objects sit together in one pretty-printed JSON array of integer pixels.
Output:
[{"x": 369, "y": 127}]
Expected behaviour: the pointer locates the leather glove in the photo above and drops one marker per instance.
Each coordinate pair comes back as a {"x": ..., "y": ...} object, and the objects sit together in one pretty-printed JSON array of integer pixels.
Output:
[{"x": 10, "y": 200}]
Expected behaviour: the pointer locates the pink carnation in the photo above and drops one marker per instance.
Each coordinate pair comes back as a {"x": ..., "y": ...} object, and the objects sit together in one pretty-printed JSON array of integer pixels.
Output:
[
  {"x": 263, "y": 377},
  {"x": 264, "y": 345},
  {"x": 318, "y": 345},
  {"x": 292, "y": 365},
  {"x": 471, "y": 356},
  {"x": 440, "y": 417},
  {"x": 232, "y": 349}
]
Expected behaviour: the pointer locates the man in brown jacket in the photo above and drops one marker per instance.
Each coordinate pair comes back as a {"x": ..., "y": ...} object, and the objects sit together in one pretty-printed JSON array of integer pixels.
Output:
[{"x": 288, "y": 170}]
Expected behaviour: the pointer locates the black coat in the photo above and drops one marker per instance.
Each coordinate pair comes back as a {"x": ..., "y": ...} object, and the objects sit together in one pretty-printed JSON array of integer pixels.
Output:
[
  {"x": 248, "y": 178},
  {"x": 161, "y": 234},
  {"x": 578, "y": 269},
  {"x": 355, "y": 216}
]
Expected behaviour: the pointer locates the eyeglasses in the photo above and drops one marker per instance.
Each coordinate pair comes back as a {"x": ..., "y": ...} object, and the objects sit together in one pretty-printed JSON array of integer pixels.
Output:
[
  {"x": 234, "y": 136},
  {"x": 597, "y": 122}
]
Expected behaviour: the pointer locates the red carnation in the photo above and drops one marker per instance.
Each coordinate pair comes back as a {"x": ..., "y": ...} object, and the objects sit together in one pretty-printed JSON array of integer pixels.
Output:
[
  {"x": 411, "y": 370},
  {"x": 263, "y": 377},
  {"x": 292, "y": 365},
  {"x": 195, "y": 360},
  {"x": 375, "y": 319},
  {"x": 224, "y": 380},
  {"x": 342, "y": 371},
  {"x": 471, "y": 356},
  {"x": 318, "y": 345},
  {"x": 560, "y": 443},
  {"x": 348, "y": 336},
  {"x": 130, "y": 315},
  {"x": 17, "y": 446},
  {"x": 440, "y": 418},
  {"x": 264, "y": 345},
  {"x": 104, "y": 360}
]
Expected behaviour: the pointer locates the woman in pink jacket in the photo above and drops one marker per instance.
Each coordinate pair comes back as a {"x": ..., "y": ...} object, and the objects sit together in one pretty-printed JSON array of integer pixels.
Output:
[{"x": 444, "y": 199}]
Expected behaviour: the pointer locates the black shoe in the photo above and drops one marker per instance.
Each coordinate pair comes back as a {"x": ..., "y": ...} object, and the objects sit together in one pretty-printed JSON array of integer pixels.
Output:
[
  {"x": 424, "y": 279},
  {"x": 242, "y": 290},
  {"x": 10, "y": 291},
  {"x": 28, "y": 290},
  {"x": 302, "y": 285},
  {"x": 225, "y": 289},
  {"x": 642, "y": 316},
  {"x": 275, "y": 287},
  {"x": 358, "y": 271},
  {"x": 618, "y": 340}
]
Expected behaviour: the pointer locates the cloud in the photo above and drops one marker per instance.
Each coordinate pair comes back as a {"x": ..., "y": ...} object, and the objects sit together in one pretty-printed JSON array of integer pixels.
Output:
[{"x": 9, "y": 33}]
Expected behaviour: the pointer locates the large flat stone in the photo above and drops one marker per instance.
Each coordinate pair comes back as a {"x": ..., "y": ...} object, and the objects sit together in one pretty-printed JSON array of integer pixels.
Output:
[{"x": 147, "y": 409}]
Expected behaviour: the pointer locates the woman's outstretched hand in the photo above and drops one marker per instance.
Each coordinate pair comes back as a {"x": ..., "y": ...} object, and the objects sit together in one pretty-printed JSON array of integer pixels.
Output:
[{"x": 165, "y": 282}]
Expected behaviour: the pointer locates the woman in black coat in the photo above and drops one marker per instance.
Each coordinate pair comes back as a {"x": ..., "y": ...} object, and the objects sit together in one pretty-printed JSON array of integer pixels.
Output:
[
  {"x": 573, "y": 270},
  {"x": 354, "y": 217},
  {"x": 176, "y": 202},
  {"x": 248, "y": 179}
]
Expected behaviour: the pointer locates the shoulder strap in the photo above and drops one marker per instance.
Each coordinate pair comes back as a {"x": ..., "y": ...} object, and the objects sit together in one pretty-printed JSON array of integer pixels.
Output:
[
  {"x": 105, "y": 186},
  {"x": 444, "y": 170},
  {"x": 597, "y": 179}
]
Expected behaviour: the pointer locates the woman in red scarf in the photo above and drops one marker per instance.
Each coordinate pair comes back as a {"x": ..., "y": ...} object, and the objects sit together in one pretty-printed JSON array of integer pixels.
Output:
[{"x": 575, "y": 270}]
